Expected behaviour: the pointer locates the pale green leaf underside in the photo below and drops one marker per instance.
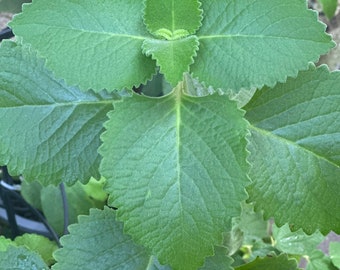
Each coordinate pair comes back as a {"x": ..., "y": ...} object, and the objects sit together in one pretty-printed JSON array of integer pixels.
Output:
[
  {"x": 172, "y": 15},
  {"x": 20, "y": 258},
  {"x": 250, "y": 43},
  {"x": 89, "y": 43},
  {"x": 175, "y": 168},
  {"x": 49, "y": 131},
  {"x": 172, "y": 56},
  {"x": 98, "y": 242},
  {"x": 295, "y": 151}
]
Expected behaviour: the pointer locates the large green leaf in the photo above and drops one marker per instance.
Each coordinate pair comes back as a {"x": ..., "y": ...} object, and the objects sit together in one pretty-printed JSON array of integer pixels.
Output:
[
  {"x": 251, "y": 43},
  {"x": 98, "y": 242},
  {"x": 49, "y": 131},
  {"x": 177, "y": 17},
  {"x": 172, "y": 56},
  {"x": 175, "y": 168},
  {"x": 94, "y": 44},
  {"x": 295, "y": 151}
]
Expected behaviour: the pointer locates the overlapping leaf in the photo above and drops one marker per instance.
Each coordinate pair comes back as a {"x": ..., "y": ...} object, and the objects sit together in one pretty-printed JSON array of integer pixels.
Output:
[
  {"x": 49, "y": 131},
  {"x": 175, "y": 168},
  {"x": 98, "y": 242},
  {"x": 173, "y": 56},
  {"x": 175, "y": 17},
  {"x": 20, "y": 258},
  {"x": 281, "y": 262},
  {"x": 295, "y": 151},
  {"x": 89, "y": 43},
  {"x": 250, "y": 43}
]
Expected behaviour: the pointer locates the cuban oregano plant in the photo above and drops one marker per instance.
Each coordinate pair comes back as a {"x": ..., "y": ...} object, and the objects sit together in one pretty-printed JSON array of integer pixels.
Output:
[{"x": 179, "y": 167}]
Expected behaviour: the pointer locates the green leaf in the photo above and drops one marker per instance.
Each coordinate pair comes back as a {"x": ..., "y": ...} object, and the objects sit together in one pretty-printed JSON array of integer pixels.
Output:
[
  {"x": 5, "y": 243},
  {"x": 295, "y": 151},
  {"x": 219, "y": 261},
  {"x": 175, "y": 168},
  {"x": 329, "y": 7},
  {"x": 98, "y": 242},
  {"x": 297, "y": 243},
  {"x": 49, "y": 131},
  {"x": 39, "y": 244},
  {"x": 11, "y": 5},
  {"x": 172, "y": 56},
  {"x": 172, "y": 19},
  {"x": 250, "y": 43},
  {"x": 99, "y": 43},
  {"x": 269, "y": 263},
  {"x": 334, "y": 252},
  {"x": 78, "y": 203},
  {"x": 20, "y": 258},
  {"x": 319, "y": 261}
]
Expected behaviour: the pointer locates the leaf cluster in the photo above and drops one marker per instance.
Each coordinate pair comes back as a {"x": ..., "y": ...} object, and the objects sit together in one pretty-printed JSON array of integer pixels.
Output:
[{"x": 242, "y": 128}]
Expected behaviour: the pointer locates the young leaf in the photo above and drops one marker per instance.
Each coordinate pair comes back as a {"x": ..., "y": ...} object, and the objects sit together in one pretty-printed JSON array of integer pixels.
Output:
[
  {"x": 172, "y": 18},
  {"x": 334, "y": 252},
  {"x": 93, "y": 44},
  {"x": 20, "y": 258},
  {"x": 319, "y": 261},
  {"x": 172, "y": 56},
  {"x": 281, "y": 262},
  {"x": 295, "y": 151},
  {"x": 296, "y": 243},
  {"x": 39, "y": 244},
  {"x": 175, "y": 168},
  {"x": 49, "y": 131},
  {"x": 329, "y": 7},
  {"x": 98, "y": 242},
  {"x": 250, "y": 43}
]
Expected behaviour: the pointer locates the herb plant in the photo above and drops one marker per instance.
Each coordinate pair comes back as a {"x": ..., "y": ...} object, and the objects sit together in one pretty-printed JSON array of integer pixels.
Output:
[{"x": 243, "y": 125}]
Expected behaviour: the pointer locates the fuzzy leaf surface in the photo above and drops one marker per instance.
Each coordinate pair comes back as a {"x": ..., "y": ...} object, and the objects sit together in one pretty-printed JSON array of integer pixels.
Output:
[
  {"x": 20, "y": 258},
  {"x": 172, "y": 15},
  {"x": 88, "y": 248},
  {"x": 172, "y": 56},
  {"x": 49, "y": 131},
  {"x": 251, "y": 43},
  {"x": 93, "y": 44},
  {"x": 175, "y": 168},
  {"x": 295, "y": 151}
]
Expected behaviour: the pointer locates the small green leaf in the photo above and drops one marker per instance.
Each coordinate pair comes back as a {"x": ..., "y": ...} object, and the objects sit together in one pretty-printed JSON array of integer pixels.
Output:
[
  {"x": 98, "y": 242},
  {"x": 91, "y": 44},
  {"x": 170, "y": 162},
  {"x": 39, "y": 244},
  {"x": 20, "y": 258},
  {"x": 329, "y": 7},
  {"x": 219, "y": 261},
  {"x": 251, "y": 43},
  {"x": 5, "y": 243},
  {"x": 172, "y": 19},
  {"x": 172, "y": 56},
  {"x": 319, "y": 261},
  {"x": 295, "y": 151},
  {"x": 78, "y": 200},
  {"x": 49, "y": 131},
  {"x": 281, "y": 262},
  {"x": 334, "y": 252},
  {"x": 296, "y": 243}
]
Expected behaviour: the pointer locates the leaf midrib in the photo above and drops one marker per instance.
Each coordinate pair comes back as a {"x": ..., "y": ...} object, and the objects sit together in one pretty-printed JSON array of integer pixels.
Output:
[{"x": 267, "y": 133}]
